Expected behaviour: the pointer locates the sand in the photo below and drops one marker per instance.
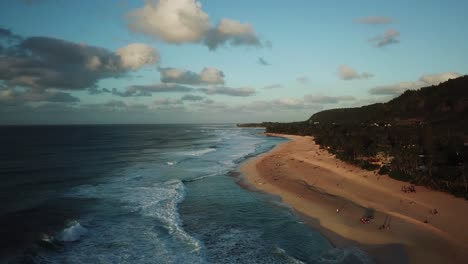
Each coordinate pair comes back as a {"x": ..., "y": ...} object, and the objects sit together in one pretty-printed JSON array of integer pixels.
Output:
[{"x": 316, "y": 184}]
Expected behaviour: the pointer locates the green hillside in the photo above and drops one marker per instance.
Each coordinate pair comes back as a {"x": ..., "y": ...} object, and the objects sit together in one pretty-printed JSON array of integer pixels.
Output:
[{"x": 419, "y": 137}]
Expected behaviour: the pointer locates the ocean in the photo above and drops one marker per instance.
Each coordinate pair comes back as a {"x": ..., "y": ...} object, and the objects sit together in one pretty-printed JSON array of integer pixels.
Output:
[{"x": 145, "y": 194}]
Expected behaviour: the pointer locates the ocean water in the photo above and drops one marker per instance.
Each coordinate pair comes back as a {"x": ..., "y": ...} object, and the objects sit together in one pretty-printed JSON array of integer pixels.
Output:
[{"x": 145, "y": 194}]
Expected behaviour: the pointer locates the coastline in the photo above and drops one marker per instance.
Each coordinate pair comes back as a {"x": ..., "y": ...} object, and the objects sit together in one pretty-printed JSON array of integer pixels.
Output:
[{"x": 316, "y": 184}]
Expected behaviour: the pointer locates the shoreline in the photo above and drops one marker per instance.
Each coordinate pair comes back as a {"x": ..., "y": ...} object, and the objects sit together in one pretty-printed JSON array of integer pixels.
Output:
[{"x": 332, "y": 196}]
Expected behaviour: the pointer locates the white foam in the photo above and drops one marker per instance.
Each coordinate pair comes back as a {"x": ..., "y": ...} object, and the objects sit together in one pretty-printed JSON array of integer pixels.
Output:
[
  {"x": 197, "y": 153},
  {"x": 345, "y": 255},
  {"x": 289, "y": 259},
  {"x": 72, "y": 233},
  {"x": 202, "y": 177},
  {"x": 170, "y": 163},
  {"x": 46, "y": 238},
  {"x": 161, "y": 202}
]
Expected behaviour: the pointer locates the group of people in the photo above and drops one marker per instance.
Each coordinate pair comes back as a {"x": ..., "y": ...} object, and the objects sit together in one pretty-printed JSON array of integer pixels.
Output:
[
  {"x": 408, "y": 189},
  {"x": 386, "y": 223}
]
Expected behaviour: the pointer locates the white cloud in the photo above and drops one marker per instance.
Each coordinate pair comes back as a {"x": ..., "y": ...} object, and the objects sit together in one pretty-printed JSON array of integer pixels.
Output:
[
  {"x": 347, "y": 73},
  {"x": 174, "y": 21},
  {"x": 424, "y": 80},
  {"x": 212, "y": 76},
  {"x": 93, "y": 63},
  {"x": 434, "y": 79},
  {"x": 134, "y": 56},
  {"x": 232, "y": 32},
  {"x": 390, "y": 36},
  {"x": 184, "y": 21}
]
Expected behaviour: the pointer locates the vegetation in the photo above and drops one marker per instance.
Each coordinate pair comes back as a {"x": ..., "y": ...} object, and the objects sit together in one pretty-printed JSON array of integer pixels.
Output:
[{"x": 419, "y": 137}]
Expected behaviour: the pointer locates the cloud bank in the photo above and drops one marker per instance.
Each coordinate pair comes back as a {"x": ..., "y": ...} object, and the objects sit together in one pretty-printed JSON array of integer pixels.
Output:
[
  {"x": 424, "y": 80},
  {"x": 43, "y": 62},
  {"x": 148, "y": 90},
  {"x": 242, "y": 92},
  {"x": 208, "y": 76},
  {"x": 33, "y": 69}
]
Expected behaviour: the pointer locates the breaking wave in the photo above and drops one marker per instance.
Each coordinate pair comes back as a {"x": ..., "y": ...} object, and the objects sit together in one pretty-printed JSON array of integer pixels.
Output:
[{"x": 72, "y": 233}]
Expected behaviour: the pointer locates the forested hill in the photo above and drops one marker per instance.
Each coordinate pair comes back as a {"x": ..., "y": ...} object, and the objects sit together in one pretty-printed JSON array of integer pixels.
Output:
[
  {"x": 445, "y": 103},
  {"x": 419, "y": 137}
]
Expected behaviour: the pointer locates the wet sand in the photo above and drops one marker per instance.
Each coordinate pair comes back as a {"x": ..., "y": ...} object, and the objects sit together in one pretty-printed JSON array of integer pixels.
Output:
[{"x": 316, "y": 184}]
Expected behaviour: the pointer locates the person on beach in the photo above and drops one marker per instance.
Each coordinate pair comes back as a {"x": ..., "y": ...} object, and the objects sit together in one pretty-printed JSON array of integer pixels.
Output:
[{"x": 386, "y": 223}]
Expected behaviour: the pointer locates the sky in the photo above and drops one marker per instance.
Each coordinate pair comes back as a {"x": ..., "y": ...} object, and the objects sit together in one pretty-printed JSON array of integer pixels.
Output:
[{"x": 219, "y": 61}]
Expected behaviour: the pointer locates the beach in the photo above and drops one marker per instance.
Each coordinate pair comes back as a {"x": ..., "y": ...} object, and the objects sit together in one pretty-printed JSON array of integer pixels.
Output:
[{"x": 355, "y": 207}]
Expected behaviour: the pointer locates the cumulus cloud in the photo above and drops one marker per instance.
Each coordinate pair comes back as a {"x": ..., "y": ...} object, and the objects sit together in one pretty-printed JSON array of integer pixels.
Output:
[
  {"x": 273, "y": 86},
  {"x": 42, "y": 62},
  {"x": 424, "y": 80},
  {"x": 374, "y": 20},
  {"x": 184, "y": 21},
  {"x": 173, "y": 21},
  {"x": 303, "y": 80},
  {"x": 208, "y": 76},
  {"x": 321, "y": 99},
  {"x": 136, "y": 55},
  {"x": 390, "y": 36},
  {"x": 347, "y": 73},
  {"x": 243, "y": 91},
  {"x": 263, "y": 62},
  {"x": 233, "y": 32},
  {"x": 148, "y": 90}
]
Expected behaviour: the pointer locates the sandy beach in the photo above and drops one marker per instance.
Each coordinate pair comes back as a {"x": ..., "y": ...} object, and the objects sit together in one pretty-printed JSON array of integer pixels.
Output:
[{"x": 425, "y": 226}]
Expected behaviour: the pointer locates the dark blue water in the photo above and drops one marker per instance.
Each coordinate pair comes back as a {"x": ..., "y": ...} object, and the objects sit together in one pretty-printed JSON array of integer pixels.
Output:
[{"x": 144, "y": 194}]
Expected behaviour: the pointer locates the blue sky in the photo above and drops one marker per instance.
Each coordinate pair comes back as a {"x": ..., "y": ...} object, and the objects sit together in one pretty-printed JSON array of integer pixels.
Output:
[{"x": 319, "y": 55}]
